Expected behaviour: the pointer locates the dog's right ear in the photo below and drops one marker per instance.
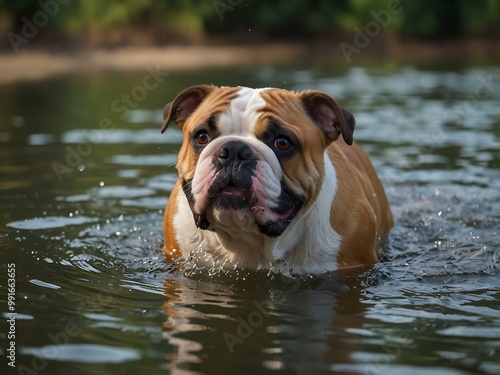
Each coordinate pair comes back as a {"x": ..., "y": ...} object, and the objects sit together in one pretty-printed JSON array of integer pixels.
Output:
[{"x": 184, "y": 105}]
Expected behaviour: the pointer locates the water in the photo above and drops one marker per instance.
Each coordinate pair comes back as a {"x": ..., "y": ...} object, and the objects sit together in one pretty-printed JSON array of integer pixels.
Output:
[{"x": 85, "y": 175}]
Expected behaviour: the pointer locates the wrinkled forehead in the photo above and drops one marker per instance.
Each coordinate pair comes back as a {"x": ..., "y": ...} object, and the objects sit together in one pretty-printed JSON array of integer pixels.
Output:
[
  {"x": 248, "y": 105},
  {"x": 243, "y": 112}
]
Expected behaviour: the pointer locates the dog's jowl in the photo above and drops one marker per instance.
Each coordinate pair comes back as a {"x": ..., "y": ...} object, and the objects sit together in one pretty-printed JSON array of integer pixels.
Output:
[{"x": 271, "y": 179}]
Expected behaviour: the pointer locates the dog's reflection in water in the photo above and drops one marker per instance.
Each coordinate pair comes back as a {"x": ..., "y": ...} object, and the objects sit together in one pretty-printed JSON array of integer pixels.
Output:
[{"x": 255, "y": 320}]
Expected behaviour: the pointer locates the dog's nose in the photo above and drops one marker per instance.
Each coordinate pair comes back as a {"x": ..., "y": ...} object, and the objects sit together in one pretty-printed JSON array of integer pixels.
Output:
[{"x": 235, "y": 150}]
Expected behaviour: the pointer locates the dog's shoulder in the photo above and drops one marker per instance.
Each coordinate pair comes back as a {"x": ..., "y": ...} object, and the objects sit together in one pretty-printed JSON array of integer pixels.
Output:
[{"x": 171, "y": 246}]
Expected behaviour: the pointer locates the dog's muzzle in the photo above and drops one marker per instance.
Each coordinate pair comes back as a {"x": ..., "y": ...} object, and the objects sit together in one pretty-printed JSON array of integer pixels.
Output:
[
  {"x": 234, "y": 167},
  {"x": 234, "y": 171}
]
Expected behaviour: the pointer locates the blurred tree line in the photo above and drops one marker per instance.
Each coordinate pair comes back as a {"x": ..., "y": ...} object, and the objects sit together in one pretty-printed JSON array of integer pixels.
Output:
[{"x": 420, "y": 19}]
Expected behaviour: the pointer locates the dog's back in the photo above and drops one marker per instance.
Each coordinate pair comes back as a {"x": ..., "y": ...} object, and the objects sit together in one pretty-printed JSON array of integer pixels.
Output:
[{"x": 358, "y": 205}]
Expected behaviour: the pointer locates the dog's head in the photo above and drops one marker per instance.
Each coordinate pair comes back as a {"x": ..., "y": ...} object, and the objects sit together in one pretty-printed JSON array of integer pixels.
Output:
[{"x": 253, "y": 159}]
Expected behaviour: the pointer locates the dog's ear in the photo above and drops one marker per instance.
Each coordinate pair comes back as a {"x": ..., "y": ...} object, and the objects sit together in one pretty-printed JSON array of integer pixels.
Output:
[
  {"x": 328, "y": 115},
  {"x": 184, "y": 105}
]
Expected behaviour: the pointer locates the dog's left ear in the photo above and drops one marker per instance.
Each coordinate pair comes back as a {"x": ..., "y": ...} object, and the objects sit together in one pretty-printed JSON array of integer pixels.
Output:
[
  {"x": 329, "y": 115},
  {"x": 184, "y": 105}
]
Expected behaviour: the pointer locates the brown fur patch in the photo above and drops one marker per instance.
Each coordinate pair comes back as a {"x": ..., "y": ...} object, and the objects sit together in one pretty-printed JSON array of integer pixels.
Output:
[
  {"x": 304, "y": 170},
  {"x": 216, "y": 102},
  {"x": 360, "y": 212},
  {"x": 171, "y": 247}
]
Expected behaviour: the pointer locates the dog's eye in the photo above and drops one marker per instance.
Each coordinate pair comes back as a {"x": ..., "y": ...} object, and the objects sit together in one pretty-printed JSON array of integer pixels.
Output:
[
  {"x": 202, "y": 137},
  {"x": 282, "y": 143}
]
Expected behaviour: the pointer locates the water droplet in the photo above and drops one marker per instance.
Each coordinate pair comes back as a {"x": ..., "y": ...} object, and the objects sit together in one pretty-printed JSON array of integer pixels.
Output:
[
  {"x": 18, "y": 121},
  {"x": 81, "y": 167},
  {"x": 101, "y": 183}
]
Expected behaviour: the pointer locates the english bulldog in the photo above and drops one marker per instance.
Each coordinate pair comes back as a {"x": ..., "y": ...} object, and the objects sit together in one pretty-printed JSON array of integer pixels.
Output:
[{"x": 271, "y": 179}]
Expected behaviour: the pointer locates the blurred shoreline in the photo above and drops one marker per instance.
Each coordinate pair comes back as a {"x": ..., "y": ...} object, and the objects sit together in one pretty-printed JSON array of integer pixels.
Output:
[{"x": 42, "y": 63}]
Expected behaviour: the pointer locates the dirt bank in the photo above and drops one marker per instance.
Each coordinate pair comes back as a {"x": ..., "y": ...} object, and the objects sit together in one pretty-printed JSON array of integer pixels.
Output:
[
  {"x": 33, "y": 65},
  {"x": 39, "y": 64}
]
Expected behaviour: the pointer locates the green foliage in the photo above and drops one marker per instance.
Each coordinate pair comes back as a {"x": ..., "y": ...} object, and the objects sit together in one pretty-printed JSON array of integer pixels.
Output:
[
  {"x": 428, "y": 19},
  {"x": 451, "y": 18}
]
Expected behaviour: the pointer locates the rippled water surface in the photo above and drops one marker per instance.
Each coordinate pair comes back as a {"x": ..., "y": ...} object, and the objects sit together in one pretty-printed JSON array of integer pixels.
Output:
[{"x": 85, "y": 175}]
